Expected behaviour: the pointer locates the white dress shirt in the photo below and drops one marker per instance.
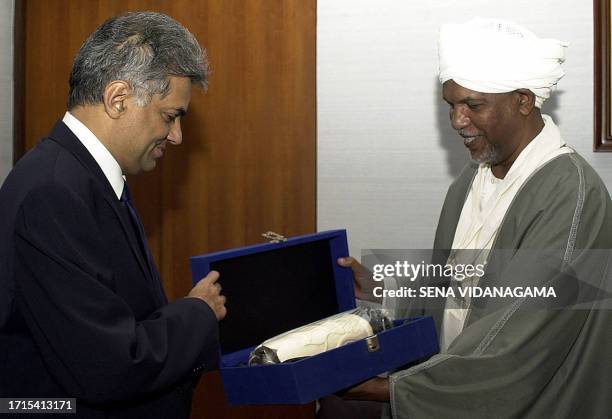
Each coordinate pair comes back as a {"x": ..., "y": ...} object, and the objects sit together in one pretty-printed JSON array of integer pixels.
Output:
[
  {"x": 98, "y": 151},
  {"x": 486, "y": 205}
]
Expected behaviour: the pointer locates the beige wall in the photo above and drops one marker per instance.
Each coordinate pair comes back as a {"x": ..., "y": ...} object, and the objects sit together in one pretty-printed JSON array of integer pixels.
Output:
[{"x": 385, "y": 152}]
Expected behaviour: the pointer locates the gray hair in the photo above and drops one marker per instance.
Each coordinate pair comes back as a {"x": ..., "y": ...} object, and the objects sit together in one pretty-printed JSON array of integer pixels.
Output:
[{"x": 142, "y": 48}]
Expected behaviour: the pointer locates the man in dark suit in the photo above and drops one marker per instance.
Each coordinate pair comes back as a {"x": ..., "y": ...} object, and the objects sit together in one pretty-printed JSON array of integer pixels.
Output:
[{"x": 82, "y": 310}]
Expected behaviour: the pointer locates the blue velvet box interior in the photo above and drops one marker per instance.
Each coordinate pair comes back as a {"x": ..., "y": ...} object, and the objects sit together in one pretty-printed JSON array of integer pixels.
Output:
[{"x": 275, "y": 287}]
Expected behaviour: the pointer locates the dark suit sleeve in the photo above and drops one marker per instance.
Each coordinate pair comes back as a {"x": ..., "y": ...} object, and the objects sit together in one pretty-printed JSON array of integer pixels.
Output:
[{"x": 87, "y": 334}]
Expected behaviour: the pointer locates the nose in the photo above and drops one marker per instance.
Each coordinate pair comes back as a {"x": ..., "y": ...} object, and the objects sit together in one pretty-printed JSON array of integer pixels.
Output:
[
  {"x": 175, "y": 135},
  {"x": 459, "y": 119}
]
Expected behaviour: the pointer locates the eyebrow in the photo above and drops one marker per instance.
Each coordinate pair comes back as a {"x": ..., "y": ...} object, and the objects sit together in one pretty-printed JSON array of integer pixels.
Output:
[
  {"x": 472, "y": 99},
  {"x": 466, "y": 100},
  {"x": 179, "y": 111}
]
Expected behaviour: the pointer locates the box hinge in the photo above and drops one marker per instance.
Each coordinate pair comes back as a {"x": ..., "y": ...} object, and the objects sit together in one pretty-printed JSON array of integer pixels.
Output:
[
  {"x": 274, "y": 237},
  {"x": 372, "y": 343}
]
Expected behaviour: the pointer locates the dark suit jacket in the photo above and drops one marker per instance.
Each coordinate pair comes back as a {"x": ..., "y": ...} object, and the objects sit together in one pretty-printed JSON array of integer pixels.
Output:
[{"x": 81, "y": 315}]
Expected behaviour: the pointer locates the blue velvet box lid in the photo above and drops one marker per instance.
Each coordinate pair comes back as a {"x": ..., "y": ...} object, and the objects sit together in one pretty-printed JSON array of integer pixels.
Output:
[{"x": 275, "y": 287}]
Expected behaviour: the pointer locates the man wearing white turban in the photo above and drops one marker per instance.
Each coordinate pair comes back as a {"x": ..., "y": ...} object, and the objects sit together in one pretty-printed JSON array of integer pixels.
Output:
[
  {"x": 496, "y": 56},
  {"x": 532, "y": 209}
]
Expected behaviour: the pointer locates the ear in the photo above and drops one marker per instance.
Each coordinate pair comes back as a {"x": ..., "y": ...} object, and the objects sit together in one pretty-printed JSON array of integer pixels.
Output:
[
  {"x": 526, "y": 101},
  {"x": 115, "y": 98}
]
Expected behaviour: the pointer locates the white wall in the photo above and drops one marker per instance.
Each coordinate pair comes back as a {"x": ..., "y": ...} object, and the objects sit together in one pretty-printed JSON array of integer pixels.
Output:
[
  {"x": 6, "y": 87},
  {"x": 386, "y": 152}
]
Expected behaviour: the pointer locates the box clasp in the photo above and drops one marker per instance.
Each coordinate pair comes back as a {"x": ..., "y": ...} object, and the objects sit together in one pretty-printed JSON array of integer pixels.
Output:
[
  {"x": 274, "y": 237},
  {"x": 372, "y": 343}
]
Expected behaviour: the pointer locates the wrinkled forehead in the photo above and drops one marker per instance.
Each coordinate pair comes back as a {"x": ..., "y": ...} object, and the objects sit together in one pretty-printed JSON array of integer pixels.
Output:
[{"x": 453, "y": 91}]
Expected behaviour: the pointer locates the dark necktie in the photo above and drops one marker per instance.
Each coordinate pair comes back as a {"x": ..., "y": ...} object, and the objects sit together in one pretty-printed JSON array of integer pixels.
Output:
[{"x": 126, "y": 202}]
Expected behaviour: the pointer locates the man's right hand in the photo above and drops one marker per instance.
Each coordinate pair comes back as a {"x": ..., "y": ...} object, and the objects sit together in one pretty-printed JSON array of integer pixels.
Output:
[
  {"x": 363, "y": 281},
  {"x": 209, "y": 290}
]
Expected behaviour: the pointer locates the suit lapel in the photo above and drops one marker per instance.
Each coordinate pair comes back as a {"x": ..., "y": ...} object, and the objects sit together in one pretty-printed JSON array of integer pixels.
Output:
[{"x": 66, "y": 138}]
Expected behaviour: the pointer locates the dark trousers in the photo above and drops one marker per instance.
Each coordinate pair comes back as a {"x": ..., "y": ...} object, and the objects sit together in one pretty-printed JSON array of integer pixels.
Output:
[{"x": 334, "y": 407}]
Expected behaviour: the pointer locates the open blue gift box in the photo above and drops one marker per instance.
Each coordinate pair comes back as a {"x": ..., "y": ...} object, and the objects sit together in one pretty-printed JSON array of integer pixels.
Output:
[{"x": 275, "y": 287}]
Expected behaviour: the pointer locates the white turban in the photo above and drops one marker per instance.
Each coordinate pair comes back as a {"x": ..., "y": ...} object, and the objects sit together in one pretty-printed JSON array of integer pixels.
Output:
[{"x": 497, "y": 56}]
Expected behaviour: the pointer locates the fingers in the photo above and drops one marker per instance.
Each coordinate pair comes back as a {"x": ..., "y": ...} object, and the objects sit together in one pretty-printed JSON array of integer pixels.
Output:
[
  {"x": 212, "y": 277},
  {"x": 347, "y": 261},
  {"x": 210, "y": 281},
  {"x": 351, "y": 262},
  {"x": 221, "y": 310},
  {"x": 209, "y": 291}
]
